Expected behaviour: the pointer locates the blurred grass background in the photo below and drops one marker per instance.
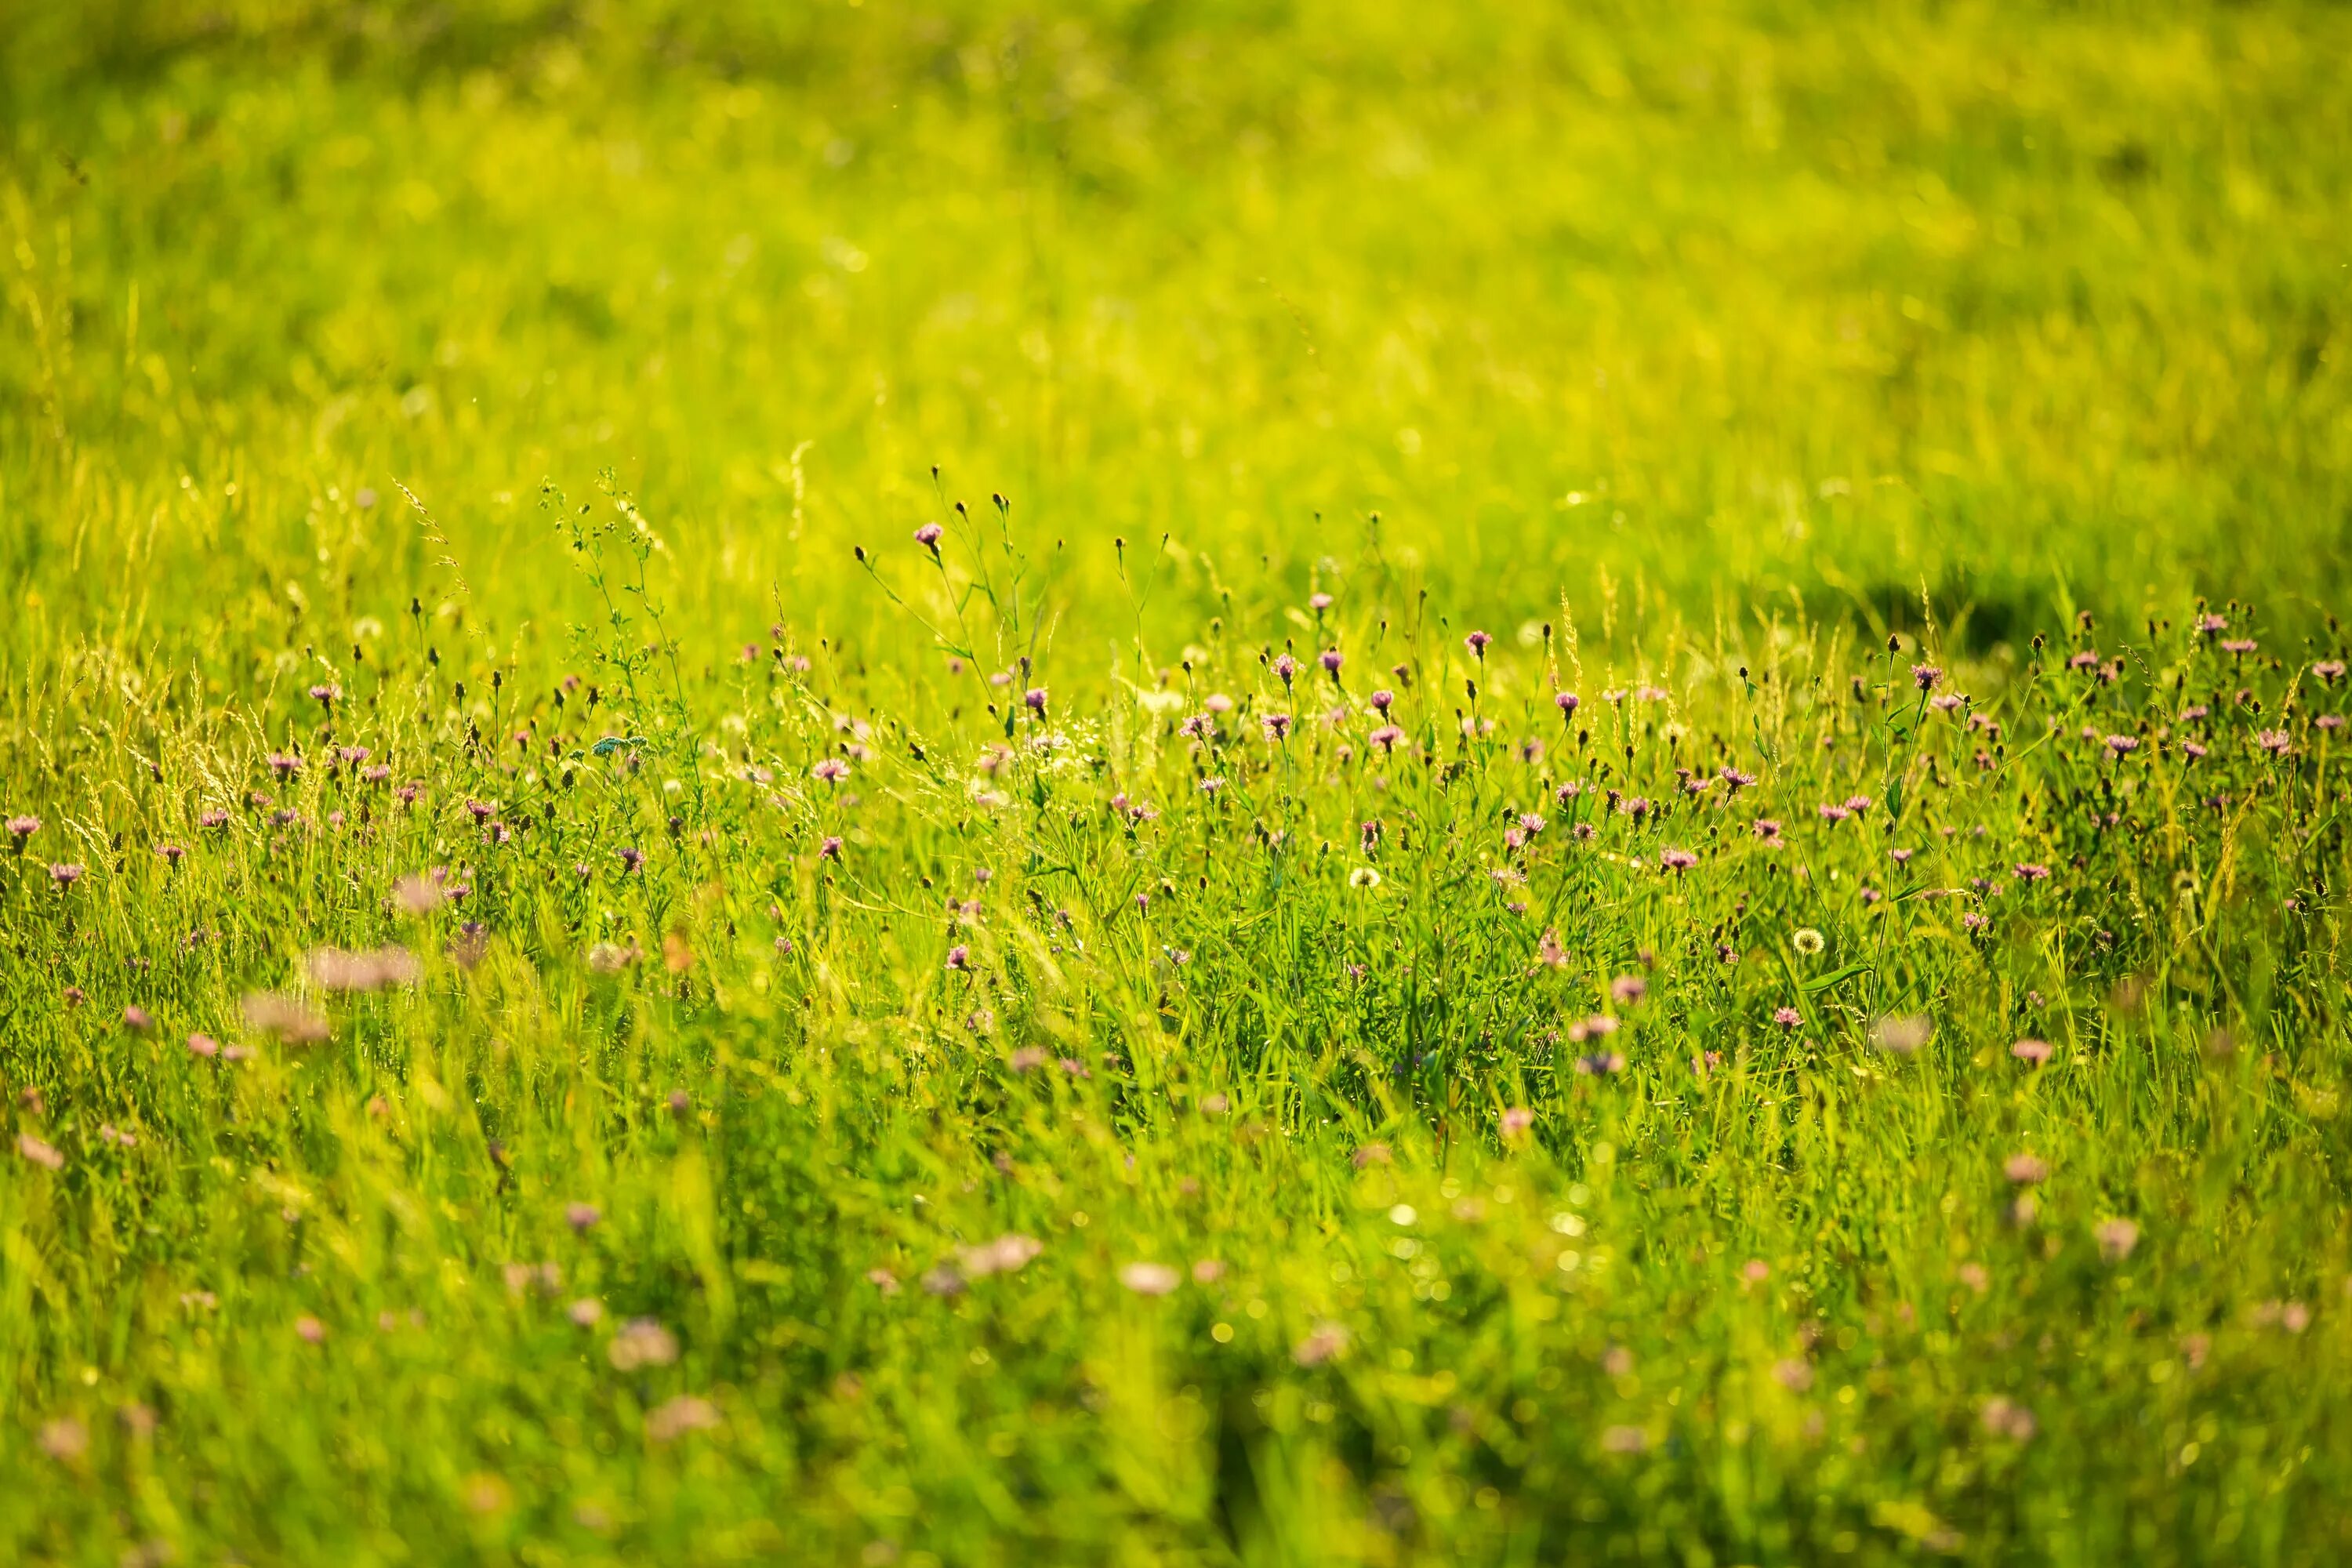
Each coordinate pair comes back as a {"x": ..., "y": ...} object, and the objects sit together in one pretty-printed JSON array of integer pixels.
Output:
[{"x": 2028, "y": 305}]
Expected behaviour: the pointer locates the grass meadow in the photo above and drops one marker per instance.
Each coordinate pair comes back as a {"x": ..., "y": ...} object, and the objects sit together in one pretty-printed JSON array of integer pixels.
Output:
[{"x": 1146, "y": 783}]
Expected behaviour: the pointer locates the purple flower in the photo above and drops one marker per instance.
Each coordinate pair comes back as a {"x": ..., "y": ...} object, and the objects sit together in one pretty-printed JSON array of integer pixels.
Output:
[
  {"x": 632, "y": 859},
  {"x": 1382, "y": 700},
  {"x": 2275, "y": 741},
  {"x": 2122, "y": 745},
  {"x": 1277, "y": 726},
  {"x": 581, "y": 1217},
  {"x": 1677, "y": 859},
  {"x": 23, "y": 827},
  {"x": 1787, "y": 1017},
  {"x": 1477, "y": 643},
  {"x": 1566, "y": 702},
  {"x": 2029, "y": 871},
  {"x": 1628, "y": 989},
  {"x": 136, "y": 1019},
  {"x": 1332, "y": 659},
  {"x": 928, "y": 536},
  {"x": 66, "y": 874},
  {"x": 1386, "y": 737},
  {"x": 958, "y": 957},
  {"x": 1926, "y": 676},
  {"x": 1285, "y": 666},
  {"x": 832, "y": 770},
  {"x": 2330, "y": 670},
  {"x": 1035, "y": 699},
  {"x": 285, "y": 766},
  {"x": 325, "y": 695},
  {"x": 830, "y": 849},
  {"x": 1319, "y": 603}
]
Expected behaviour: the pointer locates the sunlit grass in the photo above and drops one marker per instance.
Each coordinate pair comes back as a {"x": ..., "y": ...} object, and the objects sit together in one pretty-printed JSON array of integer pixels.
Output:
[{"x": 758, "y": 803}]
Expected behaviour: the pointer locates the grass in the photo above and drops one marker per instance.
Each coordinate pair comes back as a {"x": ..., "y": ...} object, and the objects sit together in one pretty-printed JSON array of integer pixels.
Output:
[{"x": 572, "y": 991}]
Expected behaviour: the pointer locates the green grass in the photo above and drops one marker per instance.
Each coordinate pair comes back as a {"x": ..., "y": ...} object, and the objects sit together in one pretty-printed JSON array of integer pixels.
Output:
[{"x": 1122, "y": 1128}]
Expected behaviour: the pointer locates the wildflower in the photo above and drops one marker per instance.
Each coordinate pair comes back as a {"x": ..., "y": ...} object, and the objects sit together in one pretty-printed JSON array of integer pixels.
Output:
[
  {"x": 1149, "y": 1278},
  {"x": 1035, "y": 700},
  {"x": 830, "y": 849},
  {"x": 1328, "y": 1341},
  {"x": 332, "y": 969},
  {"x": 1600, "y": 1063},
  {"x": 1517, "y": 1120},
  {"x": 2330, "y": 670},
  {"x": 2024, "y": 1169},
  {"x": 1926, "y": 676},
  {"x": 1947, "y": 702},
  {"x": 2029, "y": 870},
  {"x": 1386, "y": 737},
  {"x": 1857, "y": 803},
  {"x": 928, "y": 536},
  {"x": 674, "y": 1417},
  {"x": 2033, "y": 1051},
  {"x": 1369, "y": 1154},
  {"x": 1212, "y": 785},
  {"x": 1787, "y": 1017},
  {"x": 311, "y": 1331},
  {"x": 2275, "y": 741},
  {"x": 1628, "y": 989},
  {"x": 1477, "y": 643},
  {"x": 832, "y": 770},
  {"x": 642, "y": 1341},
  {"x": 1331, "y": 659},
  {"x": 1901, "y": 1035},
  {"x": 284, "y": 764},
  {"x": 2116, "y": 1238},
  {"x": 136, "y": 1019},
  {"x": 1624, "y": 1440},
  {"x": 1766, "y": 828},
  {"x": 1363, "y": 876},
  {"x": 172, "y": 854},
  {"x": 2122, "y": 746},
  {"x": 1900, "y": 856},
  {"x": 1319, "y": 603},
  {"x": 65, "y": 875},
  {"x": 1008, "y": 1254},
  {"x": 325, "y": 695},
  {"x": 1550, "y": 952},
  {"x": 1285, "y": 667},
  {"x": 581, "y": 1217},
  {"x": 1807, "y": 942},
  {"x": 2005, "y": 1417},
  {"x": 1677, "y": 859},
  {"x": 66, "y": 1440},
  {"x": 203, "y": 1046},
  {"x": 1834, "y": 813},
  {"x": 1735, "y": 778},
  {"x": 1568, "y": 703},
  {"x": 1796, "y": 1376},
  {"x": 958, "y": 957},
  {"x": 23, "y": 827},
  {"x": 1277, "y": 726},
  {"x": 40, "y": 1154},
  {"x": 2238, "y": 646},
  {"x": 285, "y": 1017},
  {"x": 1383, "y": 699}
]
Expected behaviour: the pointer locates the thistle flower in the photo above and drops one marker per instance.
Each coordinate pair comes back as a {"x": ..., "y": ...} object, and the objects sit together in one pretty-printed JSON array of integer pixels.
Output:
[
  {"x": 1383, "y": 700},
  {"x": 203, "y": 1046},
  {"x": 928, "y": 536},
  {"x": 1568, "y": 703},
  {"x": 1926, "y": 676},
  {"x": 1787, "y": 1017},
  {"x": 66, "y": 874},
  {"x": 325, "y": 695},
  {"x": 2122, "y": 746},
  {"x": 1319, "y": 603},
  {"x": 1628, "y": 989},
  {"x": 2033, "y": 1051},
  {"x": 1035, "y": 700},
  {"x": 2275, "y": 741},
  {"x": 2116, "y": 1238},
  {"x": 1386, "y": 738},
  {"x": 958, "y": 957},
  {"x": 1331, "y": 659},
  {"x": 284, "y": 764},
  {"x": 39, "y": 1153},
  {"x": 832, "y": 770},
  {"x": 1676, "y": 860},
  {"x": 1285, "y": 667},
  {"x": 21, "y": 828},
  {"x": 2330, "y": 670},
  {"x": 1277, "y": 726},
  {"x": 172, "y": 854},
  {"x": 137, "y": 1019},
  {"x": 1477, "y": 643},
  {"x": 2025, "y": 1170}
]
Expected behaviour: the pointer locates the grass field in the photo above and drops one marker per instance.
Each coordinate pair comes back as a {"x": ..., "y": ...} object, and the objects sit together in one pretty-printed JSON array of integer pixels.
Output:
[{"x": 1140, "y": 783}]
